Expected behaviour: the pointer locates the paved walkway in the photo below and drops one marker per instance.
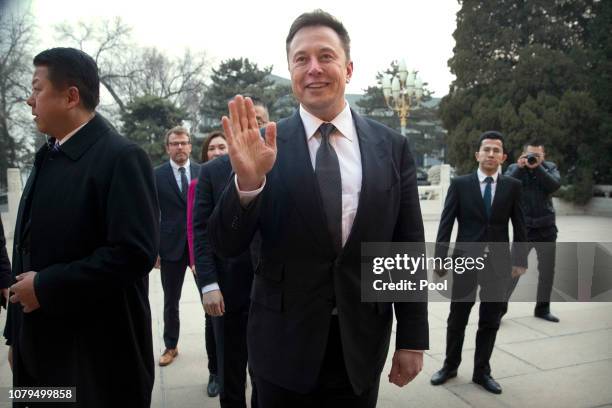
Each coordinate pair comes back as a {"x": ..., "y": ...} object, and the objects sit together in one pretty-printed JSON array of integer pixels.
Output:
[{"x": 538, "y": 364}]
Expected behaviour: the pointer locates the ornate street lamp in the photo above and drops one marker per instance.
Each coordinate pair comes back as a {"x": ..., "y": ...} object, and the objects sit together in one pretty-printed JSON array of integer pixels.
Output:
[{"x": 402, "y": 92}]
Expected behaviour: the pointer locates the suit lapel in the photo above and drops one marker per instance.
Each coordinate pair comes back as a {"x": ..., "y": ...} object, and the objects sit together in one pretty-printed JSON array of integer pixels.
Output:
[
  {"x": 296, "y": 172},
  {"x": 475, "y": 185},
  {"x": 373, "y": 157},
  {"x": 172, "y": 181},
  {"x": 194, "y": 169},
  {"x": 500, "y": 192}
]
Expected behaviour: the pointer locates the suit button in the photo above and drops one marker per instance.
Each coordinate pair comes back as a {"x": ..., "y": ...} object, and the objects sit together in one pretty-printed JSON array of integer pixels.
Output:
[{"x": 235, "y": 223}]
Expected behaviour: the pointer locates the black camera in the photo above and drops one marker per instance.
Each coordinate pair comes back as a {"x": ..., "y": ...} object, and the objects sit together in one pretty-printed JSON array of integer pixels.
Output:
[{"x": 532, "y": 158}]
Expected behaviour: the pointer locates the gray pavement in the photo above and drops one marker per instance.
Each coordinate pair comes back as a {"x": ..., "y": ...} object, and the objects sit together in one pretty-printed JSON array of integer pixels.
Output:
[{"x": 538, "y": 364}]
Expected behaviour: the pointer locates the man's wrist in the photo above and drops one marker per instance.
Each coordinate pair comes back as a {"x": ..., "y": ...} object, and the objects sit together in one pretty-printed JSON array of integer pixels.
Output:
[{"x": 246, "y": 184}]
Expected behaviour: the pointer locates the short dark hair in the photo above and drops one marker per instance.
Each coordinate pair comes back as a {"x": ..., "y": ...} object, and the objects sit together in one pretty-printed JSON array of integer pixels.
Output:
[
  {"x": 209, "y": 138},
  {"x": 179, "y": 130},
  {"x": 491, "y": 134},
  {"x": 534, "y": 143},
  {"x": 71, "y": 67},
  {"x": 320, "y": 18}
]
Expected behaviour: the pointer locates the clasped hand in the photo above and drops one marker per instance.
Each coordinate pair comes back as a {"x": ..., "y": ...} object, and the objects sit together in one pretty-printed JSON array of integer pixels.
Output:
[{"x": 23, "y": 292}]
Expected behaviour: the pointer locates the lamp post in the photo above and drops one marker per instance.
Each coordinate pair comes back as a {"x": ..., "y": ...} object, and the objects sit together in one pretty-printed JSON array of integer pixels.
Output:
[{"x": 402, "y": 92}]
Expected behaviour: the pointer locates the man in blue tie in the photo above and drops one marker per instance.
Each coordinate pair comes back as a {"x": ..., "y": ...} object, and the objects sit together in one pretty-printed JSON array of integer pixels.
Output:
[{"x": 482, "y": 203}]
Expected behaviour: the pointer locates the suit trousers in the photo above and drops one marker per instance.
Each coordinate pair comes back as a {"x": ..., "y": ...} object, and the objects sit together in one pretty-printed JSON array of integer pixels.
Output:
[
  {"x": 230, "y": 336},
  {"x": 542, "y": 241},
  {"x": 333, "y": 386},
  {"x": 464, "y": 296},
  {"x": 172, "y": 278}
]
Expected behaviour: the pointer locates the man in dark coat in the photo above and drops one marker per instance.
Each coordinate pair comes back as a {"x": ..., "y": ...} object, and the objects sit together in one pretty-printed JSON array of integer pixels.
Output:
[
  {"x": 85, "y": 241},
  {"x": 540, "y": 179},
  {"x": 483, "y": 203},
  {"x": 172, "y": 181},
  {"x": 5, "y": 269},
  {"x": 226, "y": 285},
  {"x": 338, "y": 180}
]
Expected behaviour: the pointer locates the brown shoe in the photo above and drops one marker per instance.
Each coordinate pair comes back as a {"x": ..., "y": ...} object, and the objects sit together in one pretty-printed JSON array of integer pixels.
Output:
[{"x": 168, "y": 357}]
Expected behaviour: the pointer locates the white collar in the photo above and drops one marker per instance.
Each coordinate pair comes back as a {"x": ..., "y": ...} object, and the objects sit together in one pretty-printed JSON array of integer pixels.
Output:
[
  {"x": 69, "y": 135},
  {"x": 176, "y": 166},
  {"x": 482, "y": 176},
  {"x": 343, "y": 122}
]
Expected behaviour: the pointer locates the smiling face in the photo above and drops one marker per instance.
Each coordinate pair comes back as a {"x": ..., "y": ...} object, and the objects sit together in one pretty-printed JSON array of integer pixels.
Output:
[
  {"x": 49, "y": 105},
  {"x": 490, "y": 156},
  {"x": 217, "y": 147},
  {"x": 319, "y": 71}
]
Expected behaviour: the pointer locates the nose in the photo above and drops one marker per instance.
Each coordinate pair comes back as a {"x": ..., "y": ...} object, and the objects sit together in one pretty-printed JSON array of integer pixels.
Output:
[
  {"x": 314, "y": 68},
  {"x": 30, "y": 101}
]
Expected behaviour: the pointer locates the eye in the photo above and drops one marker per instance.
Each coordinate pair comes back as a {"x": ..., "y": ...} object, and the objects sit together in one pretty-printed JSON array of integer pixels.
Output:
[{"x": 327, "y": 57}]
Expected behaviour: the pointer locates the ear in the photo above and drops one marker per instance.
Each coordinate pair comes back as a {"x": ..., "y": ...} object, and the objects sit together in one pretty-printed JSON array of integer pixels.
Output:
[
  {"x": 476, "y": 156},
  {"x": 349, "y": 71},
  {"x": 504, "y": 157},
  {"x": 74, "y": 98}
]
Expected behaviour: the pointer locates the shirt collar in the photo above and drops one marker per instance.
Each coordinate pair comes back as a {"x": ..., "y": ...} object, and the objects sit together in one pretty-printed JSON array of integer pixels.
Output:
[
  {"x": 482, "y": 176},
  {"x": 176, "y": 166},
  {"x": 343, "y": 122},
  {"x": 69, "y": 135}
]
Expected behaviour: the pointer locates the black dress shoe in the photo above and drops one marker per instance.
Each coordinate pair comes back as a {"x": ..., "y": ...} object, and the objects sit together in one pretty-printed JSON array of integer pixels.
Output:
[
  {"x": 488, "y": 383},
  {"x": 547, "y": 316},
  {"x": 443, "y": 375},
  {"x": 212, "y": 389}
]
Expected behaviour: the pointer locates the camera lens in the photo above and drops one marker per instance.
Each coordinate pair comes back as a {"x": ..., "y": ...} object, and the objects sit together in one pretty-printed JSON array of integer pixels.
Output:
[{"x": 532, "y": 158}]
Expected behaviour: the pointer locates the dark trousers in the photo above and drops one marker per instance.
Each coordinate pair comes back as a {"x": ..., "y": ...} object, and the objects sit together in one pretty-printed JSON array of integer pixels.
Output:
[
  {"x": 230, "y": 335},
  {"x": 211, "y": 346},
  {"x": 492, "y": 286},
  {"x": 333, "y": 389},
  {"x": 542, "y": 241}
]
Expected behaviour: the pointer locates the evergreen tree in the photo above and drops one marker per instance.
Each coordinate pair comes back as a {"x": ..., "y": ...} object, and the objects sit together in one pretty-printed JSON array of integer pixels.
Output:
[
  {"x": 525, "y": 67},
  {"x": 146, "y": 121}
]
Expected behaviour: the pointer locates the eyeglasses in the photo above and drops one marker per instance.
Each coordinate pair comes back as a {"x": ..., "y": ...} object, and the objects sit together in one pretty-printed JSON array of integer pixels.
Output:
[{"x": 177, "y": 144}]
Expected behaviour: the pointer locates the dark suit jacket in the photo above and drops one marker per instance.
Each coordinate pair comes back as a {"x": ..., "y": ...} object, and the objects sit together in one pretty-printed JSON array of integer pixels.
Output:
[
  {"x": 300, "y": 278},
  {"x": 87, "y": 223},
  {"x": 234, "y": 275},
  {"x": 173, "y": 208},
  {"x": 5, "y": 264},
  {"x": 464, "y": 203}
]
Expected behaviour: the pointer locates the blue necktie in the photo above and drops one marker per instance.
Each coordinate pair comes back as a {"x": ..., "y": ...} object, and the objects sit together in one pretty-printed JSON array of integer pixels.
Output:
[
  {"x": 184, "y": 182},
  {"x": 487, "y": 196},
  {"x": 327, "y": 171}
]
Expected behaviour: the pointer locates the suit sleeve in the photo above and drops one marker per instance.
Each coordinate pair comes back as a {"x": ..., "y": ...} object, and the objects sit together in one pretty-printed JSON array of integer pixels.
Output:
[
  {"x": 412, "y": 320},
  {"x": 206, "y": 268},
  {"x": 128, "y": 250},
  {"x": 231, "y": 227},
  {"x": 514, "y": 171},
  {"x": 447, "y": 220},
  {"x": 5, "y": 265},
  {"x": 519, "y": 248},
  {"x": 190, "y": 207}
]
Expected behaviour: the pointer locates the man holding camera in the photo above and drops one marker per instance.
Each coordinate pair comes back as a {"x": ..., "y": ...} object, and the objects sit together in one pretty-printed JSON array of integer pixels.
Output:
[{"x": 540, "y": 179}]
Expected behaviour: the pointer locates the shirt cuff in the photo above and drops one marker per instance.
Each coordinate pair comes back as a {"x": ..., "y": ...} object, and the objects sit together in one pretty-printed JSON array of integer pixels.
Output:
[
  {"x": 247, "y": 196},
  {"x": 210, "y": 287},
  {"x": 415, "y": 351}
]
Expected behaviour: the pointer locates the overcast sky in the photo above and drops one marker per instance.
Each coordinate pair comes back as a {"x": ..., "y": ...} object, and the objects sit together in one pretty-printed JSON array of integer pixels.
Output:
[{"x": 420, "y": 31}]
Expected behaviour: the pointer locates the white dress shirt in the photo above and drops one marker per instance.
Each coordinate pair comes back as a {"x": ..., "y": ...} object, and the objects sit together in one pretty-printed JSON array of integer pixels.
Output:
[
  {"x": 345, "y": 142},
  {"x": 483, "y": 184},
  {"x": 69, "y": 135},
  {"x": 177, "y": 173}
]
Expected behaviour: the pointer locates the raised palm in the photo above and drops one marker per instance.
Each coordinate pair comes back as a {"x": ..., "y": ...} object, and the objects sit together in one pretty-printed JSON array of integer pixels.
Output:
[{"x": 251, "y": 155}]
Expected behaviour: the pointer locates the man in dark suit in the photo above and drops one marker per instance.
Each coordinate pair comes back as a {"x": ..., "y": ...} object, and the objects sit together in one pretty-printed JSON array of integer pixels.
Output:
[
  {"x": 5, "y": 270},
  {"x": 483, "y": 203},
  {"x": 226, "y": 285},
  {"x": 540, "y": 179},
  {"x": 85, "y": 241},
  {"x": 338, "y": 180},
  {"x": 172, "y": 180}
]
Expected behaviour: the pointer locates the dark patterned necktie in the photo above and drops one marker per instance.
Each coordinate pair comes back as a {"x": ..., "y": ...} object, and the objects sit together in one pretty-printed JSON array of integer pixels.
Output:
[
  {"x": 487, "y": 196},
  {"x": 184, "y": 182},
  {"x": 327, "y": 171}
]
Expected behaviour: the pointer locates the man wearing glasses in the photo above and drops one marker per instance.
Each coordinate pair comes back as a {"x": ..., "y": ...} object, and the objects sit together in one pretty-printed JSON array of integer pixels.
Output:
[{"x": 172, "y": 180}]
